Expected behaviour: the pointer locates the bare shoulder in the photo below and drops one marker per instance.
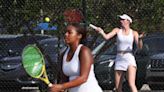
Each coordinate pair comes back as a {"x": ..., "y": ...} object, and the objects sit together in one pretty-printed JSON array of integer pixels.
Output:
[
  {"x": 85, "y": 49},
  {"x": 116, "y": 29},
  {"x": 135, "y": 32},
  {"x": 85, "y": 53}
]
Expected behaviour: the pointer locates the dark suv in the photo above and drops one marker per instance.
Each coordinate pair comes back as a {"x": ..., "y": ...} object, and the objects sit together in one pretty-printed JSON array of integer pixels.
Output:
[
  {"x": 104, "y": 60},
  {"x": 155, "y": 67},
  {"x": 12, "y": 74}
]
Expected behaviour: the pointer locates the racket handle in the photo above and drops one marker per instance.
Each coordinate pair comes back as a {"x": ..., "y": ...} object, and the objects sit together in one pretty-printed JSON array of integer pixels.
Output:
[
  {"x": 50, "y": 85},
  {"x": 92, "y": 26}
]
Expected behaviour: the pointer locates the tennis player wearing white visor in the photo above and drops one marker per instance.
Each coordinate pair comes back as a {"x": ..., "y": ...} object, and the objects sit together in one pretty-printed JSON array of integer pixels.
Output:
[{"x": 125, "y": 61}]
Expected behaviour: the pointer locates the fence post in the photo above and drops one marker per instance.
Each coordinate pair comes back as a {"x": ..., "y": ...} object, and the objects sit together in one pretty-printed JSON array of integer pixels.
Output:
[{"x": 84, "y": 9}]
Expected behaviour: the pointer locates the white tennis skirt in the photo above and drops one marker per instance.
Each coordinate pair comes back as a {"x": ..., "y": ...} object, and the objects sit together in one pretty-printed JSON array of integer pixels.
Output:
[{"x": 123, "y": 61}]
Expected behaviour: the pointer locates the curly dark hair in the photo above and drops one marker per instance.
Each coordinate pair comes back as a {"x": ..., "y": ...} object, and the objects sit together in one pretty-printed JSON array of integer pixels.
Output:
[{"x": 81, "y": 29}]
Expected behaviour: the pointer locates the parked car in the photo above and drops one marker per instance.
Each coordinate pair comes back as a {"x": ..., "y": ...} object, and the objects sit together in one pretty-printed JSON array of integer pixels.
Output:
[
  {"x": 12, "y": 73},
  {"x": 155, "y": 67},
  {"x": 104, "y": 62}
]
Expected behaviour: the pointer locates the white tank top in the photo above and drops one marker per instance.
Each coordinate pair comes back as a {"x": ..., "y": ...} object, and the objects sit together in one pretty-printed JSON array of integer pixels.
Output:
[
  {"x": 125, "y": 42},
  {"x": 72, "y": 70},
  {"x": 72, "y": 67}
]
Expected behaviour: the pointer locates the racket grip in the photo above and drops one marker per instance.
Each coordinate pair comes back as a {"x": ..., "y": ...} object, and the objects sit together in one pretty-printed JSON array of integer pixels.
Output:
[
  {"x": 92, "y": 26},
  {"x": 50, "y": 85}
]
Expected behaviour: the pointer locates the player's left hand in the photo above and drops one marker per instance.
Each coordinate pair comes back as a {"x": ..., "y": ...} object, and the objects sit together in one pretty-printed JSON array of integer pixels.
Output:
[
  {"x": 56, "y": 88},
  {"x": 142, "y": 35}
]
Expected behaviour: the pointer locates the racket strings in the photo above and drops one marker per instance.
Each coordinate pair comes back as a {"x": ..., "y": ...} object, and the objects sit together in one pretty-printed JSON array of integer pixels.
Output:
[
  {"x": 32, "y": 57},
  {"x": 33, "y": 64}
]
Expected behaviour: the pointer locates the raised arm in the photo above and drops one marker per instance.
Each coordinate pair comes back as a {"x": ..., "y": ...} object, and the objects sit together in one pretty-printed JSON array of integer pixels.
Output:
[{"x": 108, "y": 35}]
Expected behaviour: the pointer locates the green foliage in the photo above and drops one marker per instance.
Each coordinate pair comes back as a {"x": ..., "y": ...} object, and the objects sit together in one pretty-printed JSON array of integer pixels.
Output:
[{"x": 147, "y": 15}]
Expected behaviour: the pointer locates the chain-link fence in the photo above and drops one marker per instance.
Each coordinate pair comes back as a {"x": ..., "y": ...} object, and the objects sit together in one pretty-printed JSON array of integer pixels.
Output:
[{"x": 21, "y": 22}]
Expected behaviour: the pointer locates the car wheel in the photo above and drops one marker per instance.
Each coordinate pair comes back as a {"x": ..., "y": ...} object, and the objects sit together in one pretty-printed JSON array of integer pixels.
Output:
[{"x": 156, "y": 87}]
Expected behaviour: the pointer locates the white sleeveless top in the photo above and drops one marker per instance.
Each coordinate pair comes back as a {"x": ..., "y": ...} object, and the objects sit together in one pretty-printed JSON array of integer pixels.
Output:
[
  {"x": 72, "y": 69},
  {"x": 125, "y": 42}
]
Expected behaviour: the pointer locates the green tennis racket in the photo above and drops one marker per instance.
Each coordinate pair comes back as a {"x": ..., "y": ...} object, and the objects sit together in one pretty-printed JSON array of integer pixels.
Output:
[{"x": 34, "y": 63}]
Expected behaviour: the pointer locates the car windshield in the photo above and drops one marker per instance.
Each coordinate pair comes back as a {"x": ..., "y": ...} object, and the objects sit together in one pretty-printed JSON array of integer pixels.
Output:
[
  {"x": 13, "y": 46},
  {"x": 155, "y": 44},
  {"x": 111, "y": 50},
  {"x": 51, "y": 45},
  {"x": 108, "y": 51}
]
